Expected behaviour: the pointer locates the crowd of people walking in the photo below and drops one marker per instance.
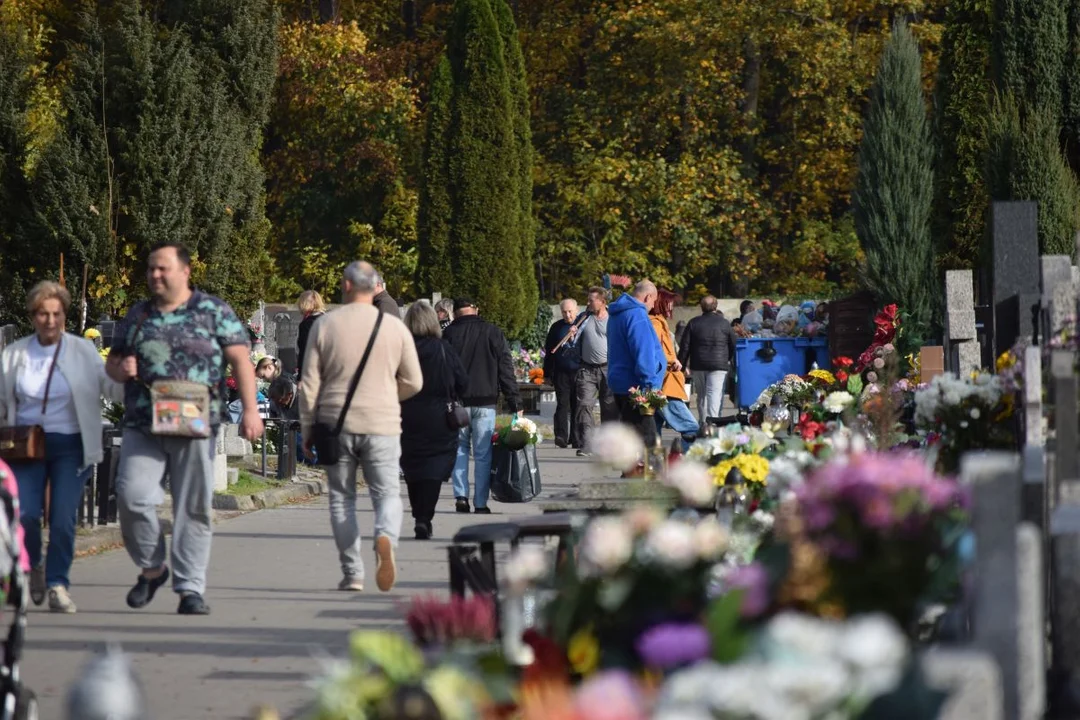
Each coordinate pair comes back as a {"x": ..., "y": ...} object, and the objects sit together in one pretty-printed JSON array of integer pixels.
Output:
[{"x": 410, "y": 398}]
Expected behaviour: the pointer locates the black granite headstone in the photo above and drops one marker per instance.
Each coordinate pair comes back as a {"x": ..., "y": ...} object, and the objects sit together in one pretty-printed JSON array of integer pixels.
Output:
[{"x": 1016, "y": 278}]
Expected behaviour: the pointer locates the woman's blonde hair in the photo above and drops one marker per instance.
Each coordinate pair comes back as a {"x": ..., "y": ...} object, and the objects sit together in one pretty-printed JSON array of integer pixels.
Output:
[
  {"x": 268, "y": 361},
  {"x": 47, "y": 290},
  {"x": 310, "y": 302},
  {"x": 422, "y": 321}
]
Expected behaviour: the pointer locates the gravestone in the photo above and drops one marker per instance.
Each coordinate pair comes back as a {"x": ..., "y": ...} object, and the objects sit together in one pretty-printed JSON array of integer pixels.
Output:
[
  {"x": 971, "y": 678},
  {"x": 1015, "y": 233},
  {"x": 931, "y": 363},
  {"x": 286, "y": 331},
  {"x": 963, "y": 353},
  {"x": 221, "y": 467},
  {"x": 1034, "y": 441},
  {"x": 994, "y": 481},
  {"x": 258, "y": 324},
  {"x": 1031, "y": 623},
  {"x": 851, "y": 325}
]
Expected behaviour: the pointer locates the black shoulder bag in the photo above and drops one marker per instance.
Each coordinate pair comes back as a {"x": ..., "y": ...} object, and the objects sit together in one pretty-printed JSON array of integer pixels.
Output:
[
  {"x": 457, "y": 417},
  {"x": 327, "y": 440}
]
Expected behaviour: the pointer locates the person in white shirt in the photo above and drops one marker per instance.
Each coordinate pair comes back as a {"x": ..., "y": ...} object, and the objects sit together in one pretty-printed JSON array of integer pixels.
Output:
[{"x": 54, "y": 380}]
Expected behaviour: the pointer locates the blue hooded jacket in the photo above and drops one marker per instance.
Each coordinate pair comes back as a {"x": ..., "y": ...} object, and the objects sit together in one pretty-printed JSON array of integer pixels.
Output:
[{"x": 635, "y": 357}]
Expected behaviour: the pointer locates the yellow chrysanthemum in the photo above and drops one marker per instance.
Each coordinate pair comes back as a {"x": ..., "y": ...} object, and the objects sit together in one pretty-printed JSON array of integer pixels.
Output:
[
  {"x": 824, "y": 376},
  {"x": 583, "y": 652},
  {"x": 754, "y": 469},
  {"x": 92, "y": 334},
  {"x": 1005, "y": 361}
]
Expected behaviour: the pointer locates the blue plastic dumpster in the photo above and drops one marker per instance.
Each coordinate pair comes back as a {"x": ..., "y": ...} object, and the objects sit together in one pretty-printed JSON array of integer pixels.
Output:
[
  {"x": 760, "y": 362},
  {"x": 817, "y": 351}
]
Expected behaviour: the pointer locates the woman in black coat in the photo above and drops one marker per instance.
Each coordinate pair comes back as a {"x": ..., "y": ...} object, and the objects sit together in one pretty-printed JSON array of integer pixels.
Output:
[{"x": 428, "y": 443}]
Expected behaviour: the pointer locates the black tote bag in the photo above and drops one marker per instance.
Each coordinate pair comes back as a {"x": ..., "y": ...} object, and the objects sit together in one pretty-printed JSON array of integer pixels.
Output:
[{"x": 515, "y": 474}]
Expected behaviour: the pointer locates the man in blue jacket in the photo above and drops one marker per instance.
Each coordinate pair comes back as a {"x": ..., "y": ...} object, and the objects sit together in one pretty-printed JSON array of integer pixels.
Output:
[{"x": 635, "y": 358}]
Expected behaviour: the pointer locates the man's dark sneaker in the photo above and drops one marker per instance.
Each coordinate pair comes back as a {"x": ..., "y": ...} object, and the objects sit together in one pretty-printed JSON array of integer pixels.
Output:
[
  {"x": 192, "y": 603},
  {"x": 461, "y": 505},
  {"x": 423, "y": 531},
  {"x": 143, "y": 592},
  {"x": 482, "y": 511},
  {"x": 560, "y": 443},
  {"x": 584, "y": 453}
]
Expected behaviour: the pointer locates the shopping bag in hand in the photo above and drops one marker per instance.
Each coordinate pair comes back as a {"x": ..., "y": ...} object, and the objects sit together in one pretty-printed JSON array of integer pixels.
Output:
[{"x": 515, "y": 474}]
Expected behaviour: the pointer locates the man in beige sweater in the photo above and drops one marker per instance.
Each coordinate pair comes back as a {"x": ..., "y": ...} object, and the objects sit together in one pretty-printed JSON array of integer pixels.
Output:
[{"x": 371, "y": 435}]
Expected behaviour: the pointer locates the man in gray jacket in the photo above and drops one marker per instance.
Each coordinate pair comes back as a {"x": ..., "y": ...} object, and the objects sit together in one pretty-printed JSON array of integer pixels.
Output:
[
  {"x": 708, "y": 350},
  {"x": 592, "y": 385}
]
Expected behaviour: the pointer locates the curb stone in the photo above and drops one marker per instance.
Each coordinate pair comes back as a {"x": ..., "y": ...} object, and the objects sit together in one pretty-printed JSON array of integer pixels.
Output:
[{"x": 273, "y": 497}]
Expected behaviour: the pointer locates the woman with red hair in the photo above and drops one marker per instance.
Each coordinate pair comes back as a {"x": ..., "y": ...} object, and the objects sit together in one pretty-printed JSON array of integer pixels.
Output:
[{"x": 676, "y": 414}]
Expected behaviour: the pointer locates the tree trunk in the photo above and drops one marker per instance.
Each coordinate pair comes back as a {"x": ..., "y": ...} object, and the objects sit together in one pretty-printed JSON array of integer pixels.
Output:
[
  {"x": 328, "y": 11},
  {"x": 408, "y": 14},
  {"x": 751, "y": 98}
]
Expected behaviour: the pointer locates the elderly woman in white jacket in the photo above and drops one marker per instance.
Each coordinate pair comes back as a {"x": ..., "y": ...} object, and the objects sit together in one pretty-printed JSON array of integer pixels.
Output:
[{"x": 55, "y": 380}]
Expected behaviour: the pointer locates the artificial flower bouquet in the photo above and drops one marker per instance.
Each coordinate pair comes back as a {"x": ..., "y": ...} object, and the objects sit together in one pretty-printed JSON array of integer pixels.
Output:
[
  {"x": 791, "y": 391},
  {"x": 959, "y": 414},
  {"x": 515, "y": 432},
  {"x": 738, "y": 456},
  {"x": 886, "y": 526},
  {"x": 633, "y": 573},
  {"x": 525, "y": 361},
  {"x": 647, "y": 400}
]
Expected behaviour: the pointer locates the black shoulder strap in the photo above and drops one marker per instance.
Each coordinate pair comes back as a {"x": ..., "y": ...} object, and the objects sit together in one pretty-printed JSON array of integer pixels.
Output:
[
  {"x": 448, "y": 374},
  {"x": 356, "y": 378}
]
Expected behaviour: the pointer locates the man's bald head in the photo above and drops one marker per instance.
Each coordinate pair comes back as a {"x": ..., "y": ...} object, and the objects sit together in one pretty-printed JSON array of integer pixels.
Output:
[
  {"x": 708, "y": 304},
  {"x": 645, "y": 291},
  {"x": 359, "y": 281}
]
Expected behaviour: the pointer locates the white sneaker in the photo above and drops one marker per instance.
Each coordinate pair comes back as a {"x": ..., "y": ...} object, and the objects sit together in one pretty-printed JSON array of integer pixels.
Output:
[
  {"x": 351, "y": 583},
  {"x": 37, "y": 584},
  {"x": 60, "y": 601}
]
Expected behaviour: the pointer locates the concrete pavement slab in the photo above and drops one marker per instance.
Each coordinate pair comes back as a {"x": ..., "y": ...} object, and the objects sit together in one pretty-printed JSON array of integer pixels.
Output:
[{"x": 275, "y": 609}]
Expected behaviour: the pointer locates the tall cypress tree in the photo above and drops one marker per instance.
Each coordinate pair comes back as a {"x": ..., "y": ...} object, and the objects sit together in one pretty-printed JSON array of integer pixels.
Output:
[
  {"x": 1030, "y": 46},
  {"x": 523, "y": 155},
  {"x": 961, "y": 106},
  {"x": 1027, "y": 164},
  {"x": 15, "y": 257},
  {"x": 160, "y": 141},
  {"x": 894, "y": 187},
  {"x": 435, "y": 213},
  {"x": 480, "y": 211}
]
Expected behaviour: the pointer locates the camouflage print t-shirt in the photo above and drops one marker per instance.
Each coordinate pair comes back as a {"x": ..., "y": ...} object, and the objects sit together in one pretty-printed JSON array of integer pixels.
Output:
[{"x": 185, "y": 344}]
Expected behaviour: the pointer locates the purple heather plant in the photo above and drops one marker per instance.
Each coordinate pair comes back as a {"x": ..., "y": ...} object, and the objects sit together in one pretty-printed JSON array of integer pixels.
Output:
[{"x": 436, "y": 622}]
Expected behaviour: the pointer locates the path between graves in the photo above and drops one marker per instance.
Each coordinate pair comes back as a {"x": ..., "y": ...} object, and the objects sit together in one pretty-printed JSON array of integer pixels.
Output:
[{"x": 274, "y": 609}]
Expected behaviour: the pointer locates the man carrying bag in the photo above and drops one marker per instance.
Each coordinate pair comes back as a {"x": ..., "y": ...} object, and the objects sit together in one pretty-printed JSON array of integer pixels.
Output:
[{"x": 358, "y": 366}]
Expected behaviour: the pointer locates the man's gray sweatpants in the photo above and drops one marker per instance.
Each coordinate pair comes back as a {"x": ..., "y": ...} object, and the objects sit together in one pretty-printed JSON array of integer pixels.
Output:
[{"x": 144, "y": 459}]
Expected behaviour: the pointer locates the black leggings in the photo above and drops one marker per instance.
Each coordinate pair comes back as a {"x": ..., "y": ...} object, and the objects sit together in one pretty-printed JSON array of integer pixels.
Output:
[{"x": 423, "y": 496}]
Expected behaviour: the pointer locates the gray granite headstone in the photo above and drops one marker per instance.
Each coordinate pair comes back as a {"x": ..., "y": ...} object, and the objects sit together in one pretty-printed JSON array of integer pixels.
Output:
[
  {"x": 959, "y": 305},
  {"x": 1016, "y": 271},
  {"x": 1056, "y": 270},
  {"x": 1031, "y": 623},
  {"x": 286, "y": 331},
  {"x": 971, "y": 678},
  {"x": 994, "y": 478},
  {"x": 1061, "y": 308}
]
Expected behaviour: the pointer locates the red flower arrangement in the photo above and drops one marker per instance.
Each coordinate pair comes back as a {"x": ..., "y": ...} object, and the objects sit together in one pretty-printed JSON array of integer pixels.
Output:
[
  {"x": 230, "y": 382},
  {"x": 886, "y": 326}
]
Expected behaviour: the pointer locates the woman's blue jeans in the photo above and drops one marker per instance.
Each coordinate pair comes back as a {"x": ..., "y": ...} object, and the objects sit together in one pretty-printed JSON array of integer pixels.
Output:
[
  {"x": 677, "y": 416},
  {"x": 63, "y": 458}
]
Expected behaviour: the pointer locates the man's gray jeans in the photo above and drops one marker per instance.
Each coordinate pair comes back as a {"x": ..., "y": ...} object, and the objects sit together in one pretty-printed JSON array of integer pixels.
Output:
[
  {"x": 709, "y": 388},
  {"x": 380, "y": 457},
  {"x": 144, "y": 459},
  {"x": 592, "y": 388}
]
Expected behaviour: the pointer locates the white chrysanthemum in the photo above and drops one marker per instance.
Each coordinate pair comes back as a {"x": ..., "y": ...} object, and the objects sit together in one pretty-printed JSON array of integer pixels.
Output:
[
  {"x": 703, "y": 449},
  {"x": 608, "y": 545},
  {"x": 710, "y": 539},
  {"x": 877, "y": 652},
  {"x": 616, "y": 445},
  {"x": 838, "y": 401},
  {"x": 816, "y": 687},
  {"x": 671, "y": 544},
  {"x": 807, "y": 636},
  {"x": 526, "y": 565},
  {"x": 692, "y": 480}
]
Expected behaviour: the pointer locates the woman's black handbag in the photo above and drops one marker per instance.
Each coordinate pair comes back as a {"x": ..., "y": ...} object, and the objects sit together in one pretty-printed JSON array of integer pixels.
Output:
[
  {"x": 515, "y": 474},
  {"x": 327, "y": 440},
  {"x": 457, "y": 417}
]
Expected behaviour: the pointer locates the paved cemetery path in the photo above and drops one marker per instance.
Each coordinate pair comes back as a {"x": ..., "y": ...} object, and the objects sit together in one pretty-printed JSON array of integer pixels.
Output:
[{"x": 271, "y": 587}]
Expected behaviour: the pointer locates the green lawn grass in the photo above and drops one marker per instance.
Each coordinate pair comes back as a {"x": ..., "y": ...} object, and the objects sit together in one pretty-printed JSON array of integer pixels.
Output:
[{"x": 249, "y": 484}]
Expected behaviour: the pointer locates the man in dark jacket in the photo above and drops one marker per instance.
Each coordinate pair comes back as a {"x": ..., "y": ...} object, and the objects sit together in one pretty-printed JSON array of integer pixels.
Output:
[
  {"x": 384, "y": 302},
  {"x": 486, "y": 356},
  {"x": 635, "y": 357},
  {"x": 560, "y": 369},
  {"x": 708, "y": 350}
]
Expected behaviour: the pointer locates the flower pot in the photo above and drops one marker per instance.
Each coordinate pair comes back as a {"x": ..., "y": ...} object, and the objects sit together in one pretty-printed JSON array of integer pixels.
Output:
[{"x": 648, "y": 411}]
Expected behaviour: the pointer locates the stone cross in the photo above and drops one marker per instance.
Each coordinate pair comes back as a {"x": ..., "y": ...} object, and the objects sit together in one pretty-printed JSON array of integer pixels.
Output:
[
  {"x": 962, "y": 350},
  {"x": 994, "y": 481},
  {"x": 1015, "y": 233}
]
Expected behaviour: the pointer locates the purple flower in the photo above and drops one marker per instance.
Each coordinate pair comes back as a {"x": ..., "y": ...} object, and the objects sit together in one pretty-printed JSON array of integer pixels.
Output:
[
  {"x": 672, "y": 645},
  {"x": 753, "y": 581}
]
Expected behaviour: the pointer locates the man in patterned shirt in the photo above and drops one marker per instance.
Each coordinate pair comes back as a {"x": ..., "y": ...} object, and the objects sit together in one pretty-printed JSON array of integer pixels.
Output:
[{"x": 178, "y": 334}]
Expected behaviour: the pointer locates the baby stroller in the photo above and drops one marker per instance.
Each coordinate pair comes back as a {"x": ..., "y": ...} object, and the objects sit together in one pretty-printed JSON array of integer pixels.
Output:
[{"x": 17, "y": 702}]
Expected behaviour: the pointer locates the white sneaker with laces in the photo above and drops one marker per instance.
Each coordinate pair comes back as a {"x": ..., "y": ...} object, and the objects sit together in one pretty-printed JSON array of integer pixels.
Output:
[{"x": 60, "y": 601}]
